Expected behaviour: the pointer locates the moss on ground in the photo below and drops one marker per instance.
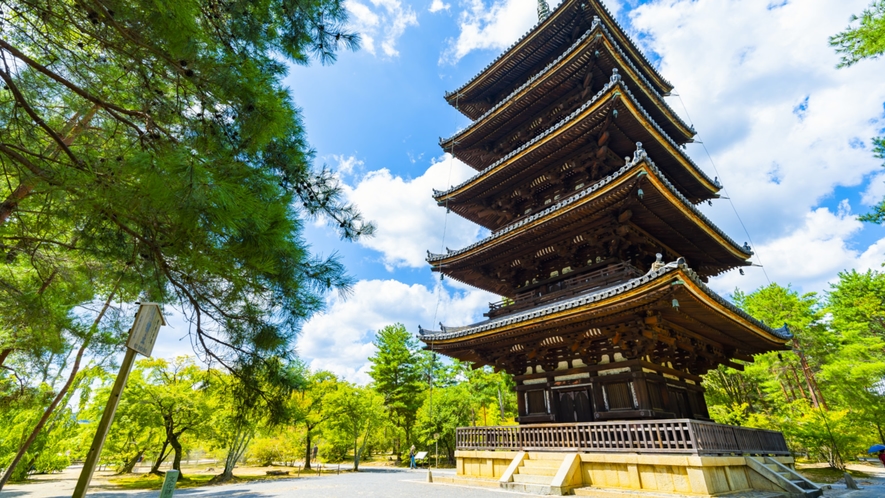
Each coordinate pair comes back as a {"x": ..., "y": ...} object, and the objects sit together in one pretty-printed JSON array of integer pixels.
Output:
[{"x": 829, "y": 475}]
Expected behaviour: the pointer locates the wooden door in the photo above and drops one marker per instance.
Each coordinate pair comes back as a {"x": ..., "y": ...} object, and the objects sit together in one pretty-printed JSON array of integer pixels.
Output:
[{"x": 574, "y": 406}]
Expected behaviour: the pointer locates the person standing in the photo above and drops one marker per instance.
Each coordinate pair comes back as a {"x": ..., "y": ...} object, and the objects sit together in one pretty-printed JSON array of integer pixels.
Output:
[
  {"x": 881, "y": 456},
  {"x": 412, "y": 457}
]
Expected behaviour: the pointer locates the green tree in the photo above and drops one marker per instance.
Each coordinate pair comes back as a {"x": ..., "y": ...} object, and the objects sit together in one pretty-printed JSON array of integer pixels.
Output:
[
  {"x": 865, "y": 39},
  {"x": 157, "y": 138},
  {"x": 239, "y": 410},
  {"x": 174, "y": 393},
  {"x": 356, "y": 411},
  {"x": 309, "y": 407},
  {"x": 396, "y": 370},
  {"x": 856, "y": 303}
]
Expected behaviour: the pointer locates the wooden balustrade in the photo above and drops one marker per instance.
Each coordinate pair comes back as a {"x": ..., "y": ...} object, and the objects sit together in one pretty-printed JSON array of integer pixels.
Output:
[
  {"x": 653, "y": 436},
  {"x": 564, "y": 288}
]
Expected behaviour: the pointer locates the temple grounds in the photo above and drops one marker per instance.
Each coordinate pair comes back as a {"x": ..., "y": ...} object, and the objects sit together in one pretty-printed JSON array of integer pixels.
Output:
[{"x": 371, "y": 482}]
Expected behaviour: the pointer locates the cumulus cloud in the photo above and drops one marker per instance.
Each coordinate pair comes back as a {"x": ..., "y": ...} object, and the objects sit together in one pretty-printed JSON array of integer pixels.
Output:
[
  {"x": 494, "y": 25},
  {"x": 438, "y": 5},
  {"x": 380, "y": 22},
  {"x": 781, "y": 122},
  {"x": 811, "y": 256},
  {"x": 347, "y": 165},
  {"x": 408, "y": 219},
  {"x": 340, "y": 339}
]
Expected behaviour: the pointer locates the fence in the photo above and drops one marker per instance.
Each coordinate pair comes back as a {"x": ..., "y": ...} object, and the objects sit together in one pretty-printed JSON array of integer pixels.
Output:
[{"x": 653, "y": 436}]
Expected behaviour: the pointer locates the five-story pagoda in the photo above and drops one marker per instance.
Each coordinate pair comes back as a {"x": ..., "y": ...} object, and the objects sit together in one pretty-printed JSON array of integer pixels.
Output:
[{"x": 596, "y": 244}]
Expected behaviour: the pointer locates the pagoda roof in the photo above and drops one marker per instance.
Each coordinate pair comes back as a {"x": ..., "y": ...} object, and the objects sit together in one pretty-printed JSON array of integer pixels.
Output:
[
  {"x": 569, "y": 136},
  {"x": 700, "y": 310},
  {"x": 546, "y": 86},
  {"x": 540, "y": 43},
  {"x": 662, "y": 213}
]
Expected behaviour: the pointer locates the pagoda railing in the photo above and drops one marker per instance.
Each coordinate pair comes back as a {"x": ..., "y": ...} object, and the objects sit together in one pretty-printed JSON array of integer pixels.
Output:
[
  {"x": 682, "y": 436},
  {"x": 564, "y": 288}
]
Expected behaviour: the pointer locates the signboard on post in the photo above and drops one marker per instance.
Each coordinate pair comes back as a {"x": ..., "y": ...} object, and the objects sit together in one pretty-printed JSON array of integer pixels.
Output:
[
  {"x": 144, "y": 330},
  {"x": 142, "y": 337}
]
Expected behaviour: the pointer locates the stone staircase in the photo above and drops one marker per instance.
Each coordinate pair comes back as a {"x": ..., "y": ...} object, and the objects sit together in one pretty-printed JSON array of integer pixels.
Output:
[
  {"x": 784, "y": 477},
  {"x": 535, "y": 473}
]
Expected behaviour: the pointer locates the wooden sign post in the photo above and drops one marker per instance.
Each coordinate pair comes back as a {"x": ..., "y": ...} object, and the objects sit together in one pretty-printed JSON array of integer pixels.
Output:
[
  {"x": 142, "y": 337},
  {"x": 169, "y": 484}
]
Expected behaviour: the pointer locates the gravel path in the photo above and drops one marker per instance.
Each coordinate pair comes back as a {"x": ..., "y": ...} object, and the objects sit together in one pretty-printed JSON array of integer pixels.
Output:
[{"x": 369, "y": 482}]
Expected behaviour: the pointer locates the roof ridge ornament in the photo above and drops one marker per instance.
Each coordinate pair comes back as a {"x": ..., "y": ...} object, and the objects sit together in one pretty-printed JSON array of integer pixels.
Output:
[
  {"x": 615, "y": 76},
  {"x": 596, "y": 21},
  {"x": 639, "y": 154},
  {"x": 543, "y": 10}
]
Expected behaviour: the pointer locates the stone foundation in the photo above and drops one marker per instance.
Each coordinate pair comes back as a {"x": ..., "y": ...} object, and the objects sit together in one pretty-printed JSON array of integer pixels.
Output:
[{"x": 595, "y": 473}]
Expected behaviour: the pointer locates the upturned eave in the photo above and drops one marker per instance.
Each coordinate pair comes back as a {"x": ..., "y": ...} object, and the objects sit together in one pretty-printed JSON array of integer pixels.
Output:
[
  {"x": 697, "y": 303},
  {"x": 689, "y": 231},
  {"x": 513, "y": 61},
  {"x": 584, "y": 49}
]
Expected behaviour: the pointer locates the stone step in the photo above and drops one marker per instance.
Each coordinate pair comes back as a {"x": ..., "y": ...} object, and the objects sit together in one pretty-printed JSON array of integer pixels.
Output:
[
  {"x": 537, "y": 471},
  {"x": 533, "y": 489},
  {"x": 532, "y": 479},
  {"x": 542, "y": 464}
]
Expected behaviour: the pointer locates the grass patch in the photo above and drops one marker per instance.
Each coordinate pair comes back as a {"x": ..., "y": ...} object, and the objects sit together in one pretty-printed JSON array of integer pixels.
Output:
[
  {"x": 151, "y": 481},
  {"x": 828, "y": 475},
  {"x": 155, "y": 482}
]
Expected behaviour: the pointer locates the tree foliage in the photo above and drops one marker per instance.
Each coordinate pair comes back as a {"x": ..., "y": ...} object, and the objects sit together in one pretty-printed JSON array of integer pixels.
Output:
[
  {"x": 865, "y": 38},
  {"x": 396, "y": 371},
  {"x": 825, "y": 395}
]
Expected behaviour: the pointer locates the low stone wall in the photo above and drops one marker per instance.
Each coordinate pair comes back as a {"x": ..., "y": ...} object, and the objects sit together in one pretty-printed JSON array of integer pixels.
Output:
[
  {"x": 699, "y": 475},
  {"x": 676, "y": 474},
  {"x": 483, "y": 464}
]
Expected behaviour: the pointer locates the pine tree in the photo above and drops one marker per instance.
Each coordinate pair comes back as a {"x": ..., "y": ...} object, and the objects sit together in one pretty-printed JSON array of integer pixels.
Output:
[
  {"x": 396, "y": 370},
  {"x": 157, "y": 139}
]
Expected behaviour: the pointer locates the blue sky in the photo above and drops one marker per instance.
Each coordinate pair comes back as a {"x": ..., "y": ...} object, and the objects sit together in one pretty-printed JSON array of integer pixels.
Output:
[{"x": 789, "y": 135}]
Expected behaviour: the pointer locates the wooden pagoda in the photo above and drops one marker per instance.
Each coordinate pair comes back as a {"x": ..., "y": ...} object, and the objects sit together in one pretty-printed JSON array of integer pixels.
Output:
[{"x": 596, "y": 243}]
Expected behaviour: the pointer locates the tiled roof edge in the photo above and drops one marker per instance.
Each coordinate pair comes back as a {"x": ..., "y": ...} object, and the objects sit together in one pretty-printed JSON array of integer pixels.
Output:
[
  {"x": 639, "y": 156},
  {"x": 540, "y": 23},
  {"x": 615, "y": 80},
  {"x": 597, "y": 23},
  {"x": 455, "y": 332}
]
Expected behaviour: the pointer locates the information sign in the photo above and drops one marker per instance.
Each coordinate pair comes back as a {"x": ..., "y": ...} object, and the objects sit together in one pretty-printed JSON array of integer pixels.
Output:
[{"x": 145, "y": 329}]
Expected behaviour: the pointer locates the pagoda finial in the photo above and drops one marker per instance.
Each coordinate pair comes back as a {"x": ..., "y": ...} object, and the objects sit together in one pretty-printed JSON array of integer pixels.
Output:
[{"x": 543, "y": 10}]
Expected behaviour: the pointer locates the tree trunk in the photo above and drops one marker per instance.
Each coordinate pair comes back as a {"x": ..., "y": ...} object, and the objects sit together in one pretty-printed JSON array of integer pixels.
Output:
[
  {"x": 4, "y": 354},
  {"x": 363, "y": 447},
  {"x": 11, "y": 203},
  {"x": 155, "y": 468},
  {"x": 45, "y": 418},
  {"x": 501, "y": 403},
  {"x": 307, "y": 453},
  {"x": 234, "y": 453},
  {"x": 128, "y": 466},
  {"x": 74, "y": 127},
  {"x": 799, "y": 383},
  {"x": 176, "y": 446},
  {"x": 356, "y": 453}
]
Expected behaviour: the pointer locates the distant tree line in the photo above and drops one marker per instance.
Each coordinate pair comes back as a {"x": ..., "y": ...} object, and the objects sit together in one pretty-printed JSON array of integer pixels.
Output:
[{"x": 175, "y": 409}]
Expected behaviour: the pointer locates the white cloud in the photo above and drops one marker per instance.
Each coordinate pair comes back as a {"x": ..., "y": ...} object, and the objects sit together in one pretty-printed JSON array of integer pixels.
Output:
[
  {"x": 490, "y": 26},
  {"x": 383, "y": 22},
  {"x": 347, "y": 165},
  {"x": 875, "y": 190},
  {"x": 408, "y": 219},
  {"x": 340, "y": 339},
  {"x": 783, "y": 124},
  {"x": 810, "y": 256},
  {"x": 438, "y": 5}
]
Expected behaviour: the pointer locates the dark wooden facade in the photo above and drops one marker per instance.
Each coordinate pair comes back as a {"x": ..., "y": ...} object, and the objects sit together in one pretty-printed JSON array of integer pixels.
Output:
[{"x": 583, "y": 181}]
